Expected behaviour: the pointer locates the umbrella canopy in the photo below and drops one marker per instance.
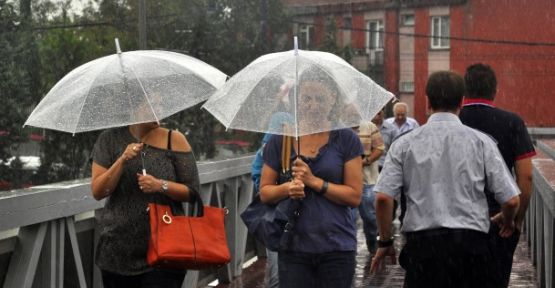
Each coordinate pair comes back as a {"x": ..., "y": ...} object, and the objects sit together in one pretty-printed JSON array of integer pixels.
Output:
[
  {"x": 124, "y": 89},
  {"x": 311, "y": 91}
]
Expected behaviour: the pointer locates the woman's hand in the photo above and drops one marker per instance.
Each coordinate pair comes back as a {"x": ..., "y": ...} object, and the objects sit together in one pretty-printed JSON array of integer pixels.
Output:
[
  {"x": 149, "y": 183},
  {"x": 302, "y": 172},
  {"x": 296, "y": 189},
  {"x": 131, "y": 151}
]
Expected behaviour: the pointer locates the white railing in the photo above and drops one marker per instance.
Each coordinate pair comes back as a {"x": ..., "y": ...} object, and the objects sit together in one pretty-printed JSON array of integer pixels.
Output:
[
  {"x": 540, "y": 217},
  {"x": 47, "y": 233}
]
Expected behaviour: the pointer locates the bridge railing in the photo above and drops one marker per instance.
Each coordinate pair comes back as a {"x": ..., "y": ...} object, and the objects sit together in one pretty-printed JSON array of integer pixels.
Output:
[
  {"x": 47, "y": 233},
  {"x": 540, "y": 218}
]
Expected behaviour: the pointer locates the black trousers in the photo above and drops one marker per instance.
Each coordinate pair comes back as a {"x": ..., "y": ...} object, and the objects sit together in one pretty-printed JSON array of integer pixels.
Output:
[
  {"x": 152, "y": 279},
  {"x": 447, "y": 258},
  {"x": 502, "y": 250}
]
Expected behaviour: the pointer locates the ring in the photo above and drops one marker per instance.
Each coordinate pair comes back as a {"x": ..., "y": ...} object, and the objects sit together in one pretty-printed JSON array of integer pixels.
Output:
[{"x": 134, "y": 148}]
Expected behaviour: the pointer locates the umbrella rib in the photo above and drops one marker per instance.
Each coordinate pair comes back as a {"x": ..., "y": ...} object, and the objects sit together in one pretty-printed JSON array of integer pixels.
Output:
[
  {"x": 254, "y": 86},
  {"x": 146, "y": 95},
  {"x": 86, "y": 97}
]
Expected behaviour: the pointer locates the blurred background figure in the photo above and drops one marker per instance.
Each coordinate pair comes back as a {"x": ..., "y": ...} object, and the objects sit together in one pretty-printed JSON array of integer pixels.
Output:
[{"x": 400, "y": 120}]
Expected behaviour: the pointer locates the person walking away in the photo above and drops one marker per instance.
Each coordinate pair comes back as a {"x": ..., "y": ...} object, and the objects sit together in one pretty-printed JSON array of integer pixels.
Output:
[
  {"x": 403, "y": 124},
  {"x": 515, "y": 145},
  {"x": 373, "y": 146},
  {"x": 443, "y": 168},
  {"x": 123, "y": 223},
  {"x": 388, "y": 133}
]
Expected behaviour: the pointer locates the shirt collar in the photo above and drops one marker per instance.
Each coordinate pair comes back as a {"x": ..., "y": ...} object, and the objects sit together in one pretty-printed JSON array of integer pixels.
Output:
[
  {"x": 478, "y": 101},
  {"x": 444, "y": 116}
]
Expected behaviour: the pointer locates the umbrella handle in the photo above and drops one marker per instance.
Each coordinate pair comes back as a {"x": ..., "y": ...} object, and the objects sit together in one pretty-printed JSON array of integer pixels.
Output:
[
  {"x": 296, "y": 45},
  {"x": 118, "y": 49}
]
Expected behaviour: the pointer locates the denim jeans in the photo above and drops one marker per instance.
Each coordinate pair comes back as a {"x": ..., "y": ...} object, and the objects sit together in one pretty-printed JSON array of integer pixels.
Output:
[
  {"x": 323, "y": 270},
  {"x": 272, "y": 276},
  {"x": 368, "y": 216}
]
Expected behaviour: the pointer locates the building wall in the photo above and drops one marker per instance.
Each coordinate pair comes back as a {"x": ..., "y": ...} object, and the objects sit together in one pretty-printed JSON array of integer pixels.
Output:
[
  {"x": 406, "y": 61},
  {"x": 526, "y": 74},
  {"x": 421, "y": 48}
]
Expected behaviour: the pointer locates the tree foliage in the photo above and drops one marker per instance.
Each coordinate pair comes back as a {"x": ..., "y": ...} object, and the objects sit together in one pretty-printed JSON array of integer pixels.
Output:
[{"x": 41, "y": 41}]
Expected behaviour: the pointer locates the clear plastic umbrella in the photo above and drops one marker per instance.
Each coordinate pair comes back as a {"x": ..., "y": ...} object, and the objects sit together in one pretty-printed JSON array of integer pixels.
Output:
[
  {"x": 310, "y": 91},
  {"x": 124, "y": 89}
]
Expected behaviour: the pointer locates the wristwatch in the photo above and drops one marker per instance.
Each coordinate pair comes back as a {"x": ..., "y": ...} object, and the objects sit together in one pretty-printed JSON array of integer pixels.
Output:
[
  {"x": 164, "y": 186},
  {"x": 385, "y": 243}
]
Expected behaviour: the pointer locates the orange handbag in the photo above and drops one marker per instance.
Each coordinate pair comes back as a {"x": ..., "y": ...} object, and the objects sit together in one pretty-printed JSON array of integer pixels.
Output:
[{"x": 187, "y": 242}]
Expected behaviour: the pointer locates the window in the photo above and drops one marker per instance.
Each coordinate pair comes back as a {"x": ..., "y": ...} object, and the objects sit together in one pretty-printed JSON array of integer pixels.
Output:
[
  {"x": 347, "y": 22},
  {"x": 306, "y": 36},
  {"x": 407, "y": 19},
  {"x": 374, "y": 37},
  {"x": 440, "y": 32},
  {"x": 406, "y": 87}
]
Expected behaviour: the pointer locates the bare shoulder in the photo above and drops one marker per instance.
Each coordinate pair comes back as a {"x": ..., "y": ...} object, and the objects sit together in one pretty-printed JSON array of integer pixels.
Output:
[{"x": 179, "y": 142}]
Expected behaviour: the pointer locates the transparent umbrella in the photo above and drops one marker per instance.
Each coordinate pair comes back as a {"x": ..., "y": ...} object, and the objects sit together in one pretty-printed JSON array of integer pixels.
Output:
[
  {"x": 124, "y": 89},
  {"x": 310, "y": 91}
]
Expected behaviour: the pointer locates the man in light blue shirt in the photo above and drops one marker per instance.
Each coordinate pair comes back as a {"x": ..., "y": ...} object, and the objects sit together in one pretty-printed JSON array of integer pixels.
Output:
[
  {"x": 443, "y": 168},
  {"x": 400, "y": 120}
]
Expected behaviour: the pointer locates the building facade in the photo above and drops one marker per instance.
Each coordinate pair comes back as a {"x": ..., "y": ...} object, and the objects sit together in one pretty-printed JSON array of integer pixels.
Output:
[{"x": 399, "y": 43}]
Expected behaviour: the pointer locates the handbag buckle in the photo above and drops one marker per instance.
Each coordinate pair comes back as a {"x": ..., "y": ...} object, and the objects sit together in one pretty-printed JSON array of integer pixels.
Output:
[{"x": 166, "y": 218}]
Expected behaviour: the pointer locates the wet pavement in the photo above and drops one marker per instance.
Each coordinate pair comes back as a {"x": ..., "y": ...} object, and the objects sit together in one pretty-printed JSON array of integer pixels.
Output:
[{"x": 523, "y": 274}]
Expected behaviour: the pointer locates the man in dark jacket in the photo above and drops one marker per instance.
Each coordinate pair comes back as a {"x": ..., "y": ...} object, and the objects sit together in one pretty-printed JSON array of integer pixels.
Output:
[{"x": 515, "y": 146}]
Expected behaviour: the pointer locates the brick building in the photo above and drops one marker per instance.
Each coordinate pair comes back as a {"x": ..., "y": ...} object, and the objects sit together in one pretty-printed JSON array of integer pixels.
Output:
[{"x": 398, "y": 43}]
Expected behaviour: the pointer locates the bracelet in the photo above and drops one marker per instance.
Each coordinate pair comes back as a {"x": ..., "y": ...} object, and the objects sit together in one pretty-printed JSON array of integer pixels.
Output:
[
  {"x": 385, "y": 243},
  {"x": 324, "y": 188}
]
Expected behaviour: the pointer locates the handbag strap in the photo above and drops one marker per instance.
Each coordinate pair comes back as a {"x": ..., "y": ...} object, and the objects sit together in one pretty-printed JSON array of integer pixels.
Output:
[{"x": 194, "y": 197}]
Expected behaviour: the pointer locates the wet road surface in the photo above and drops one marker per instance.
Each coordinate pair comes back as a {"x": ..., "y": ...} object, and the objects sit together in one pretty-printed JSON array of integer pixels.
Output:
[{"x": 523, "y": 274}]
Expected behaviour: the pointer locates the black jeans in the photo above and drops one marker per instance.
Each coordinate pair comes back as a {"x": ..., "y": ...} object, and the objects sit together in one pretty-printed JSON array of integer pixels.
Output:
[
  {"x": 502, "y": 251},
  {"x": 457, "y": 258},
  {"x": 306, "y": 270},
  {"x": 152, "y": 279}
]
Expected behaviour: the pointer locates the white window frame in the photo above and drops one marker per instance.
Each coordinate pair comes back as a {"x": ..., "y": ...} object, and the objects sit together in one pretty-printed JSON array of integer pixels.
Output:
[
  {"x": 378, "y": 44},
  {"x": 305, "y": 36},
  {"x": 439, "y": 30}
]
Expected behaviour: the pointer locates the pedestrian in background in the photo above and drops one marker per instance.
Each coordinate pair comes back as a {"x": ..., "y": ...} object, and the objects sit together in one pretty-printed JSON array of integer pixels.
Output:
[
  {"x": 373, "y": 146},
  {"x": 516, "y": 147}
]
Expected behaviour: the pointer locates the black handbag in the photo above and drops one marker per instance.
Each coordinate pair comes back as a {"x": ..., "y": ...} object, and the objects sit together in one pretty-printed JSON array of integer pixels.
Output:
[{"x": 273, "y": 225}]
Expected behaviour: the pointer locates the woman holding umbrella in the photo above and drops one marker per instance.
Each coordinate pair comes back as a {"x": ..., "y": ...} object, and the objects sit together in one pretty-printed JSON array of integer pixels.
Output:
[
  {"x": 133, "y": 166},
  {"x": 327, "y": 177}
]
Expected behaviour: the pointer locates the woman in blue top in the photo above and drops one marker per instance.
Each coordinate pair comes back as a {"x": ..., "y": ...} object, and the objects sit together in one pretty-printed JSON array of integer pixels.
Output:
[{"x": 328, "y": 178}]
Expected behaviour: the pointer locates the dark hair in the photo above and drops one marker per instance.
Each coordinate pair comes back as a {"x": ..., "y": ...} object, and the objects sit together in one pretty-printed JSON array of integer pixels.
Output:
[
  {"x": 445, "y": 91},
  {"x": 315, "y": 74},
  {"x": 480, "y": 81}
]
